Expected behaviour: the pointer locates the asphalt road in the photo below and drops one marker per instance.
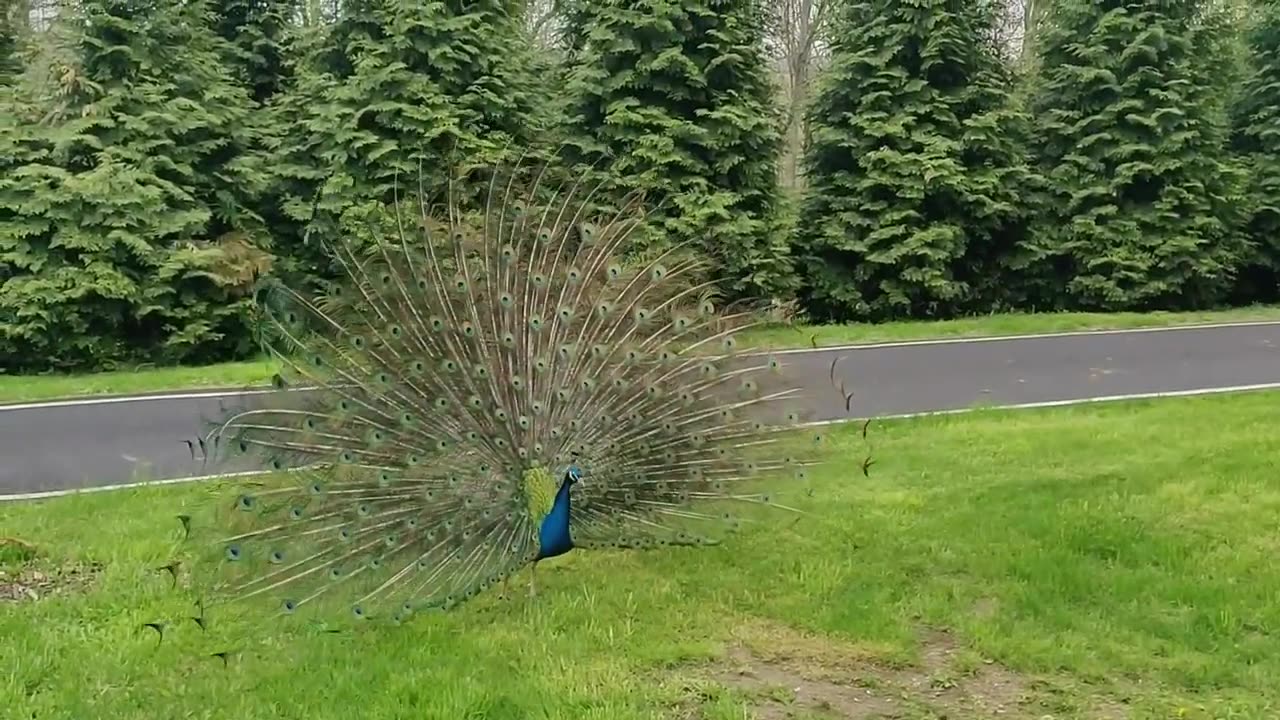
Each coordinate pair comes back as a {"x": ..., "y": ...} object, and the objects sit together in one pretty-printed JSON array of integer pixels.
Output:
[{"x": 71, "y": 446}]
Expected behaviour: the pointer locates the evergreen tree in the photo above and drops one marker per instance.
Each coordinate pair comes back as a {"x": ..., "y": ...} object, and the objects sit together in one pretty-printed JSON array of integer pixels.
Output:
[
  {"x": 1257, "y": 138},
  {"x": 398, "y": 86},
  {"x": 14, "y": 118},
  {"x": 259, "y": 56},
  {"x": 1131, "y": 139},
  {"x": 915, "y": 164},
  {"x": 676, "y": 93},
  {"x": 10, "y": 62},
  {"x": 255, "y": 31},
  {"x": 123, "y": 232}
]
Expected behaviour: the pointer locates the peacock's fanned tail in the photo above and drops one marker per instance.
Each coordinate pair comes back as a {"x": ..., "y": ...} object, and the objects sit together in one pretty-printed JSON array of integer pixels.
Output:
[{"x": 465, "y": 352}]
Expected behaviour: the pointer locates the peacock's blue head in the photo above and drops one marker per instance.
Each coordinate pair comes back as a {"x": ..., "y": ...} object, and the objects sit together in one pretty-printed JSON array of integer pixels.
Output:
[{"x": 573, "y": 474}]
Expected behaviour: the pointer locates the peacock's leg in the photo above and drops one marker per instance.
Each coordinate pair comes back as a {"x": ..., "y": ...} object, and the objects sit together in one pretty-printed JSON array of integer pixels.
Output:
[
  {"x": 533, "y": 578},
  {"x": 506, "y": 581}
]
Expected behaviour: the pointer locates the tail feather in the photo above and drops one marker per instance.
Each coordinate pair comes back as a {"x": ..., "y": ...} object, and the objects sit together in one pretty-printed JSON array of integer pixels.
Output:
[{"x": 468, "y": 349}]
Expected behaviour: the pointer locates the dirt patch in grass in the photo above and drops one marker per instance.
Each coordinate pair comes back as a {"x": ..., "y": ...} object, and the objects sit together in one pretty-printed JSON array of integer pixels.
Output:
[
  {"x": 779, "y": 690},
  {"x": 25, "y": 577},
  {"x": 791, "y": 675}
]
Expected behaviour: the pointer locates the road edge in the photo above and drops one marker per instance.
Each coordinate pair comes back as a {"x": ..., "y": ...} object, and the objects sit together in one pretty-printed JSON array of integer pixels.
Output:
[
  {"x": 1044, "y": 404},
  {"x": 203, "y": 393}
]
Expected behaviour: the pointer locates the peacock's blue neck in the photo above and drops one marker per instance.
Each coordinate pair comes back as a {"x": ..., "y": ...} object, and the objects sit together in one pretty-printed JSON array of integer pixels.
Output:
[{"x": 553, "y": 535}]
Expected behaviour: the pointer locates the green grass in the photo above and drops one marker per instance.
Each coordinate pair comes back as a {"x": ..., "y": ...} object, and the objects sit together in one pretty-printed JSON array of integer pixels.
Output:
[
  {"x": 1118, "y": 557},
  {"x": 996, "y": 325},
  {"x": 19, "y": 388},
  {"x": 241, "y": 374}
]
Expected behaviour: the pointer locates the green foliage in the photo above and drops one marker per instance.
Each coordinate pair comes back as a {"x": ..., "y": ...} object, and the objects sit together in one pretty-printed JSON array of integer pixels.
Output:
[
  {"x": 255, "y": 31},
  {"x": 1142, "y": 206},
  {"x": 10, "y": 62},
  {"x": 914, "y": 166},
  {"x": 1257, "y": 138},
  {"x": 12, "y": 120},
  {"x": 258, "y": 53},
  {"x": 677, "y": 95},
  {"x": 394, "y": 87},
  {"x": 123, "y": 224},
  {"x": 152, "y": 154}
]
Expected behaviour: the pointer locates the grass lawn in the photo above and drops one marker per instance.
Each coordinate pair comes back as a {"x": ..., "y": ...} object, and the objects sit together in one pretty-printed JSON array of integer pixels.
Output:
[
  {"x": 996, "y": 325},
  {"x": 19, "y": 388},
  {"x": 1088, "y": 562},
  {"x": 242, "y": 374}
]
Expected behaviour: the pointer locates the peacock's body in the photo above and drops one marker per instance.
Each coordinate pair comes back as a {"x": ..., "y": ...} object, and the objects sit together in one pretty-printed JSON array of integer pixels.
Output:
[{"x": 488, "y": 390}]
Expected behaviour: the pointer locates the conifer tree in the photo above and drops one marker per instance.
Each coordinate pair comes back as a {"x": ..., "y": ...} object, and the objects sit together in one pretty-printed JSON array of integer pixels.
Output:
[
  {"x": 1257, "y": 138},
  {"x": 677, "y": 95},
  {"x": 10, "y": 62},
  {"x": 256, "y": 33},
  {"x": 123, "y": 232},
  {"x": 1131, "y": 139},
  {"x": 14, "y": 118},
  {"x": 915, "y": 165},
  {"x": 259, "y": 54},
  {"x": 394, "y": 87}
]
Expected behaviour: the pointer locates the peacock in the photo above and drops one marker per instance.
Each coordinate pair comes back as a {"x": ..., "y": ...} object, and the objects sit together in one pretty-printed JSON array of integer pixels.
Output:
[{"x": 507, "y": 377}]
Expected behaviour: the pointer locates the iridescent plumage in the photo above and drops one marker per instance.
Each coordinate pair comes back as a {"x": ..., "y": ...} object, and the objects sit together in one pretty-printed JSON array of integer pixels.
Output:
[{"x": 489, "y": 389}]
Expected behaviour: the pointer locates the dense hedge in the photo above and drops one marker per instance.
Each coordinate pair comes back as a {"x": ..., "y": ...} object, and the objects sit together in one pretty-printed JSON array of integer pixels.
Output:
[
  {"x": 157, "y": 158},
  {"x": 126, "y": 233},
  {"x": 10, "y": 63},
  {"x": 1131, "y": 138},
  {"x": 677, "y": 94},
  {"x": 392, "y": 87},
  {"x": 916, "y": 164},
  {"x": 1257, "y": 139}
]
